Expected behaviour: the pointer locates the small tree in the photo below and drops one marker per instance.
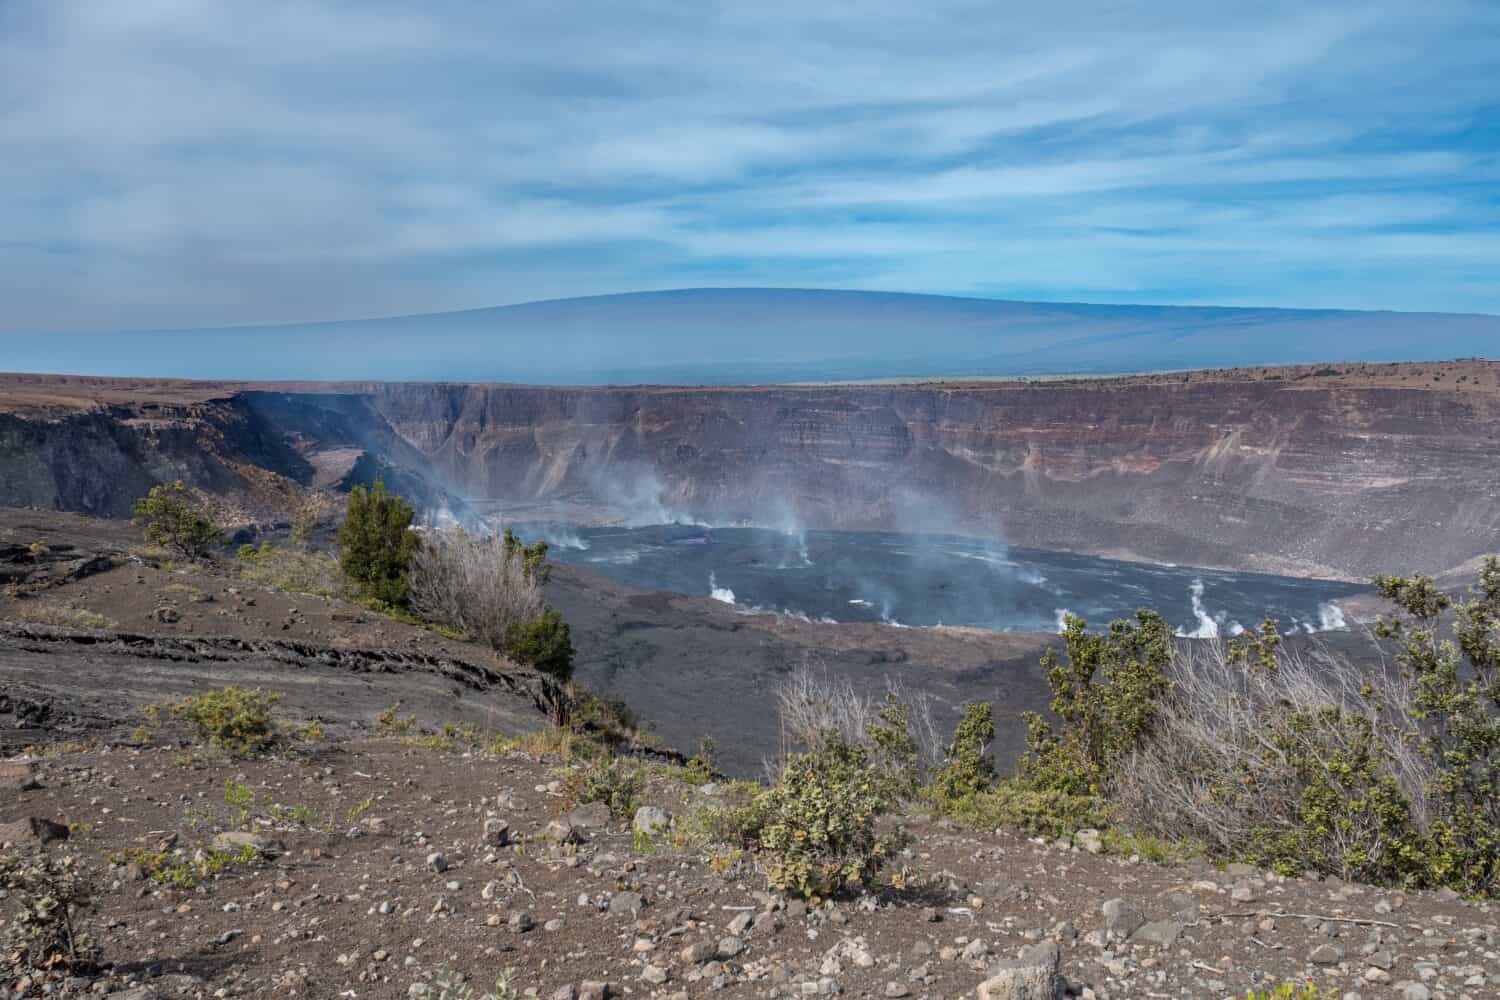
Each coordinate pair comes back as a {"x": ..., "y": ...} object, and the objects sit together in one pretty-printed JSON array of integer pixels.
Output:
[
  {"x": 895, "y": 746},
  {"x": 1456, "y": 683},
  {"x": 968, "y": 768},
  {"x": 376, "y": 544},
  {"x": 533, "y": 557},
  {"x": 173, "y": 517},
  {"x": 1106, "y": 695}
]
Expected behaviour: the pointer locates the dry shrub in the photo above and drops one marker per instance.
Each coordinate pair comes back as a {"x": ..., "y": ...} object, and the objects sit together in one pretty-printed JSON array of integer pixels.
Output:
[
  {"x": 1244, "y": 748},
  {"x": 61, "y": 615},
  {"x": 475, "y": 584},
  {"x": 45, "y": 899},
  {"x": 811, "y": 702}
]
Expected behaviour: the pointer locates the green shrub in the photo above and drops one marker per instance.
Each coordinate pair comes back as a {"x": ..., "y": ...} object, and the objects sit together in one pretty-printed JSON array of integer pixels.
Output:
[
  {"x": 391, "y": 723},
  {"x": 606, "y": 778},
  {"x": 543, "y": 642},
  {"x": 1105, "y": 695},
  {"x": 240, "y": 797},
  {"x": 376, "y": 542},
  {"x": 173, "y": 517},
  {"x": 231, "y": 718},
  {"x": 1289, "y": 991},
  {"x": 46, "y": 897},
  {"x": 533, "y": 557},
  {"x": 814, "y": 831},
  {"x": 968, "y": 768},
  {"x": 1456, "y": 685},
  {"x": 1039, "y": 811},
  {"x": 1350, "y": 817},
  {"x": 895, "y": 747},
  {"x": 699, "y": 769}
]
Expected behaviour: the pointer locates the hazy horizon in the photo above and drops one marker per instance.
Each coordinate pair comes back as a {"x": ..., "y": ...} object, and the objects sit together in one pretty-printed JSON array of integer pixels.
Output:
[{"x": 763, "y": 335}]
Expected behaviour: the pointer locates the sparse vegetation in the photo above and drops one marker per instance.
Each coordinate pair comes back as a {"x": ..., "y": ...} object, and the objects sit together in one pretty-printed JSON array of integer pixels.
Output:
[
  {"x": 46, "y": 898},
  {"x": 175, "y": 517},
  {"x": 489, "y": 589},
  {"x": 607, "y": 778},
  {"x": 180, "y": 870},
  {"x": 61, "y": 615},
  {"x": 234, "y": 719},
  {"x": 304, "y": 571}
]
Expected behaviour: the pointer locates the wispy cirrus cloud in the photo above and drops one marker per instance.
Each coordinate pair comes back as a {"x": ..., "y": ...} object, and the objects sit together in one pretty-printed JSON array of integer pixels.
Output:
[{"x": 197, "y": 162}]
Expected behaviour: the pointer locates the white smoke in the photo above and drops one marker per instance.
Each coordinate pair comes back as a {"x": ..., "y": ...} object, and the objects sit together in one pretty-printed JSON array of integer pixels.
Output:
[
  {"x": 1331, "y": 617},
  {"x": 1207, "y": 628},
  {"x": 719, "y": 593},
  {"x": 561, "y": 536},
  {"x": 1062, "y": 620}
]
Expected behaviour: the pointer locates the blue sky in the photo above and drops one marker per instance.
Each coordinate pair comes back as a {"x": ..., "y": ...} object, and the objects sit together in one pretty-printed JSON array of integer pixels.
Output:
[{"x": 170, "y": 163}]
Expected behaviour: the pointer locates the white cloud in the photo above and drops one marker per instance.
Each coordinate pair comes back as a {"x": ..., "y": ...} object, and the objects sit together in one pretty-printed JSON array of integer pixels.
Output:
[{"x": 184, "y": 161}]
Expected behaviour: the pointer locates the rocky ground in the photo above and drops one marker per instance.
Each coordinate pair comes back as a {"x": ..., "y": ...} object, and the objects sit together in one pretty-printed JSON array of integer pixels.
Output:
[{"x": 387, "y": 870}]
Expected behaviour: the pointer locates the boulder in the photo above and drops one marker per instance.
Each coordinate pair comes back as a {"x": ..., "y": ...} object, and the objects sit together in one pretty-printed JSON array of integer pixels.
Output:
[
  {"x": 1121, "y": 918},
  {"x": 496, "y": 832},
  {"x": 627, "y": 904},
  {"x": 234, "y": 841},
  {"x": 1032, "y": 976},
  {"x": 17, "y": 778},
  {"x": 590, "y": 816},
  {"x": 1089, "y": 840},
  {"x": 1161, "y": 933},
  {"x": 563, "y": 832},
  {"x": 32, "y": 831},
  {"x": 651, "y": 821}
]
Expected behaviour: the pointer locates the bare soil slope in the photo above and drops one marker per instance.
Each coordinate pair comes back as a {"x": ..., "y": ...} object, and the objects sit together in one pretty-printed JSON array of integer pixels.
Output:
[{"x": 381, "y": 878}]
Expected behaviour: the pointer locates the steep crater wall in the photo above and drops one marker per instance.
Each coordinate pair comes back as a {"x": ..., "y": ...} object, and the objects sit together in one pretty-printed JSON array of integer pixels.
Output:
[
  {"x": 1281, "y": 472},
  {"x": 1266, "y": 474}
]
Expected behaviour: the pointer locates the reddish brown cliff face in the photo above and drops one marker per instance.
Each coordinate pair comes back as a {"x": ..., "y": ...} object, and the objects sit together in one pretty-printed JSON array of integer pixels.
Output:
[
  {"x": 1382, "y": 468},
  {"x": 1315, "y": 475}
]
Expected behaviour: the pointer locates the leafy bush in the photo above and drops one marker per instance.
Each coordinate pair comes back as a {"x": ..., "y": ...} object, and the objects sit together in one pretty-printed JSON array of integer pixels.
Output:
[
  {"x": 699, "y": 770},
  {"x": 968, "y": 767},
  {"x": 814, "y": 830},
  {"x": 1456, "y": 697},
  {"x": 1301, "y": 761},
  {"x": 376, "y": 544},
  {"x": 47, "y": 897},
  {"x": 895, "y": 747},
  {"x": 173, "y": 517},
  {"x": 606, "y": 778},
  {"x": 544, "y": 642},
  {"x": 1039, "y": 811},
  {"x": 231, "y": 718}
]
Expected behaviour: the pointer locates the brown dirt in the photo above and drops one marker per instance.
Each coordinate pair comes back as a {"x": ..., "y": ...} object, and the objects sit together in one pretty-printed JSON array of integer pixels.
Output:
[{"x": 310, "y": 923}]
